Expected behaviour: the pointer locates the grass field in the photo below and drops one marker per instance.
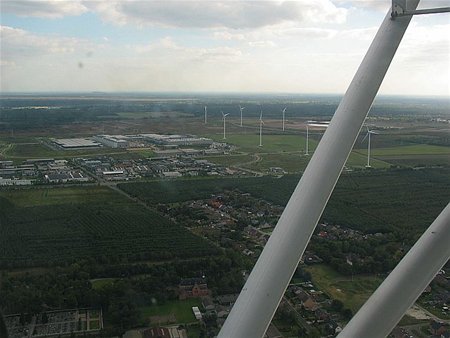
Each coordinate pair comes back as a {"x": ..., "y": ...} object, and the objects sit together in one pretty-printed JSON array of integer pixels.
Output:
[
  {"x": 101, "y": 283},
  {"x": 290, "y": 162},
  {"x": 360, "y": 160},
  {"x": 419, "y": 149},
  {"x": 229, "y": 160},
  {"x": 416, "y": 160},
  {"x": 353, "y": 293},
  {"x": 152, "y": 114},
  {"x": 38, "y": 150},
  {"x": 181, "y": 309},
  {"x": 45, "y": 226},
  {"x": 271, "y": 143},
  {"x": 286, "y": 151}
]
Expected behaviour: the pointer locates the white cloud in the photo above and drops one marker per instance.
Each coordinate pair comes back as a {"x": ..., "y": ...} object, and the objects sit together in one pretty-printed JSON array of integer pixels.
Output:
[
  {"x": 18, "y": 43},
  {"x": 359, "y": 33},
  {"x": 43, "y": 8},
  {"x": 384, "y": 5},
  {"x": 426, "y": 44},
  {"x": 215, "y": 14},
  {"x": 167, "y": 51},
  {"x": 262, "y": 44}
]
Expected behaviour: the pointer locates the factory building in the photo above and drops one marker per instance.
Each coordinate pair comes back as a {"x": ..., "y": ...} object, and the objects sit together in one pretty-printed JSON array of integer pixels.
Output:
[
  {"x": 76, "y": 143},
  {"x": 112, "y": 141},
  {"x": 177, "y": 140}
]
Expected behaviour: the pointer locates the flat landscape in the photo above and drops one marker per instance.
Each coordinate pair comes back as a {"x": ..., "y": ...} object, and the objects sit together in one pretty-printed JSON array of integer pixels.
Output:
[{"x": 119, "y": 229}]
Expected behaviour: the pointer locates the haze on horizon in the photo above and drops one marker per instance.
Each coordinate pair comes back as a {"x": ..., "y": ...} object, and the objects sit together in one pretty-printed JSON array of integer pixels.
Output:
[{"x": 213, "y": 46}]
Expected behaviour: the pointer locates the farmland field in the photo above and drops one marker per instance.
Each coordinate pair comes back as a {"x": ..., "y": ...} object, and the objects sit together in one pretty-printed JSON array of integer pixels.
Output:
[{"x": 47, "y": 226}]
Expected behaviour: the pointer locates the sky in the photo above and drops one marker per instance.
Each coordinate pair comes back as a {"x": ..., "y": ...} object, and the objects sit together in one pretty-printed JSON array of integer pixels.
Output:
[{"x": 302, "y": 46}]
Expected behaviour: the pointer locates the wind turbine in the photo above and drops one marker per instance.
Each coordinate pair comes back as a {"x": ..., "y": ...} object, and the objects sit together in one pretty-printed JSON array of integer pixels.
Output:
[
  {"x": 368, "y": 144},
  {"x": 261, "y": 122},
  {"x": 224, "y": 117},
  {"x": 319, "y": 124},
  {"x": 307, "y": 138},
  {"x": 241, "y": 109},
  {"x": 206, "y": 115},
  {"x": 284, "y": 111}
]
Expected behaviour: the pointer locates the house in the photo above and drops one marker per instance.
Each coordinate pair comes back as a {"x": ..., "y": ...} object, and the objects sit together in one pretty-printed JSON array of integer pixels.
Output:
[
  {"x": 208, "y": 305},
  {"x": 192, "y": 288},
  {"x": 227, "y": 300},
  {"x": 302, "y": 295},
  {"x": 310, "y": 305},
  {"x": 321, "y": 314},
  {"x": 438, "y": 328}
]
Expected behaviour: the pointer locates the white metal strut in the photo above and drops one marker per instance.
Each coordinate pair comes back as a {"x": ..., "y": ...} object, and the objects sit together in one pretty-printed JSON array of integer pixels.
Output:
[
  {"x": 387, "y": 305},
  {"x": 261, "y": 294}
]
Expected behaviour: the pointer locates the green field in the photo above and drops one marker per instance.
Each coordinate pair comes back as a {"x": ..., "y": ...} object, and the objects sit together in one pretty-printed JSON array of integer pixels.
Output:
[
  {"x": 48, "y": 226},
  {"x": 297, "y": 162},
  {"x": 289, "y": 162},
  {"x": 353, "y": 293},
  {"x": 101, "y": 283},
  {"x": 359, "y": 160},
  {"x": 418, "y": 149},
  {"x": 285, "y": 151},
  {"x": 152, "y": 114},
  {"x": 21, "y": 151},
  {"x": 229, "y": 160},
  {"x": 181, "y": 309},
  {"x": 271, "y": 143},
  {"x": 425, "y": 160},
  {"x": 60, "y": 196}
]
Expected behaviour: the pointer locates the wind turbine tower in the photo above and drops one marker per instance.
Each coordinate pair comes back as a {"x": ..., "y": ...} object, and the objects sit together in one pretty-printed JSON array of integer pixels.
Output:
[
  {"x": 241, "y": 109},
  {"x": 368, "y": 145},
  {"x": 284, "y": 111},
  {"x": 261, "y": 122},
  {"x": 224, "y": 124},
  {"x": 317, "y": 124},
  {"x": 307, "y": 138},
  {"x": 206, "y": 115}
]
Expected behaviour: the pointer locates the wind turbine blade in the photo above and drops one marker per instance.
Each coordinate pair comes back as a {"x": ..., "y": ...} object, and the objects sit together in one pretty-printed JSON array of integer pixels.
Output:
[{"x": 364, "y": 138}]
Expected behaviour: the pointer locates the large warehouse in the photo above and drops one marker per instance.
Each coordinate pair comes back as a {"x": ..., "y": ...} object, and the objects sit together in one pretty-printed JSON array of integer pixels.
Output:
[{"x": 76, "y": 143}]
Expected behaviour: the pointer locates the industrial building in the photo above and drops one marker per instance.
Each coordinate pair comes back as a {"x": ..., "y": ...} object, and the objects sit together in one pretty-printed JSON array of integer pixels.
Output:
[
  {"x": 112, "y": 141},
  {"x": 76, "y": 143},
  {"x": 179, "y": 140}
]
